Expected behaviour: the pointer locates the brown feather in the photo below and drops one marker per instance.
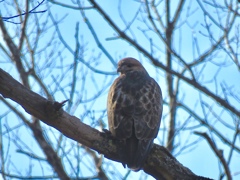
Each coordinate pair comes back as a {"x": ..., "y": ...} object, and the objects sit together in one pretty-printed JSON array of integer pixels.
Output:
[{"x": 134, "y": 111}]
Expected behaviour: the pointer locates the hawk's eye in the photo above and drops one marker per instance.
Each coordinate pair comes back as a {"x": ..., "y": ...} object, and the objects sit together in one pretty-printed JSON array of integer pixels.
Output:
[{"x": 129, "y": 65}]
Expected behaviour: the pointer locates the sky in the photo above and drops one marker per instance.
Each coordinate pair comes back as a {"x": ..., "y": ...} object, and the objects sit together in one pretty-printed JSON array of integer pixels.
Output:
[{"x": 201, "y": 160}]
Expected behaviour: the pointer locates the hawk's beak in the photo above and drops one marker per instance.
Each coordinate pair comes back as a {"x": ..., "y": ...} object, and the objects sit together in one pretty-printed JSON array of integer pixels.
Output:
[{"x": 119, "y": 69}]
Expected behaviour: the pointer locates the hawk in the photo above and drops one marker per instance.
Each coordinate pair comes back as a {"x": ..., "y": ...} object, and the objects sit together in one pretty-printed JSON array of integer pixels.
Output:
[{"x": 134, "y": 110}]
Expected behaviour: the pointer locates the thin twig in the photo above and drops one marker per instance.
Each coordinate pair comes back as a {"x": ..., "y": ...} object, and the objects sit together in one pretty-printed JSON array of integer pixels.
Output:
[{"x": 218, "y": 152}]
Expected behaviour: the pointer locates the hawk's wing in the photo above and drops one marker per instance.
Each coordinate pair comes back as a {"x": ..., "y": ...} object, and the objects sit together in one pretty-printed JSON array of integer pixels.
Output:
[
  {"x": 148, "y": 111},
  {"x": 142, "y": 106}
]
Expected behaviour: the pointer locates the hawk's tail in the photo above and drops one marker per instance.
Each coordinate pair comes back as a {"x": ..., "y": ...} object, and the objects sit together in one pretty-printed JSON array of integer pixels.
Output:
[{"x": 136, "y": 152}]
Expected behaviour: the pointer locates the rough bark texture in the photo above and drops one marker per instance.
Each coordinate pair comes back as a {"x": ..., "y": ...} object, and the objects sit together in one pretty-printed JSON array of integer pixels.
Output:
[{"x": 160, "y": 163}]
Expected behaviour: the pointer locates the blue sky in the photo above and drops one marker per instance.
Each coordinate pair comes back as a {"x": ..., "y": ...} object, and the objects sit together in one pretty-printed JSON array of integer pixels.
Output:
[{"x": 201, "y": 160}]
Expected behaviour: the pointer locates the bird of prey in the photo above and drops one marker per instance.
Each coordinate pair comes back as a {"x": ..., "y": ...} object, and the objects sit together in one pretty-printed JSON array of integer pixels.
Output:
[{"x": 134, "y": 110}]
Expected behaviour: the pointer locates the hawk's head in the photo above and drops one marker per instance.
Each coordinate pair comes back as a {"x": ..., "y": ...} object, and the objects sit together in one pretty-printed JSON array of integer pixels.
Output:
[{"x": 129, "y": 64}]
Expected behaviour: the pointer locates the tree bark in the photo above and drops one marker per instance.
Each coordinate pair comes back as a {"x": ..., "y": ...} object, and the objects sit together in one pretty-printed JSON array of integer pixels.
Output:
[{"x": 160, "y": 163}]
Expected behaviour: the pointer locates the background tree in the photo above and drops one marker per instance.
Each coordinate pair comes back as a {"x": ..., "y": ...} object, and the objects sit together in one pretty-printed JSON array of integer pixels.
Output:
[{"x": 71, "y": 51}]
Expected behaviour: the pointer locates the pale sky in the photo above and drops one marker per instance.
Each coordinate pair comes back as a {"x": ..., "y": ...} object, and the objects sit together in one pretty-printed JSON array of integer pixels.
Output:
[{"x": 201, "y": 159}]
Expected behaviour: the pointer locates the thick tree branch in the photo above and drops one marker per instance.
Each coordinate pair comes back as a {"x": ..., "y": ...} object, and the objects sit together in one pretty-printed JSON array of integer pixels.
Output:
[{"x": 160, "y": 163}]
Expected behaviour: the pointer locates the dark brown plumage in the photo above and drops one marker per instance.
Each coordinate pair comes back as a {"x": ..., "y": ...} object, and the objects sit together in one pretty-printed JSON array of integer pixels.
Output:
[{"x": 134, "y": 111}]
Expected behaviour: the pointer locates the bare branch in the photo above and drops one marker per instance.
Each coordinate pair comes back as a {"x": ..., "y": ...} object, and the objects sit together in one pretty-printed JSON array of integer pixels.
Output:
[
  {"x": 191, "y": 82},
  {"x": 218, "y": 152},
  {"x": 159, "y": 163},
  {"x": 7, "y": 19}
]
